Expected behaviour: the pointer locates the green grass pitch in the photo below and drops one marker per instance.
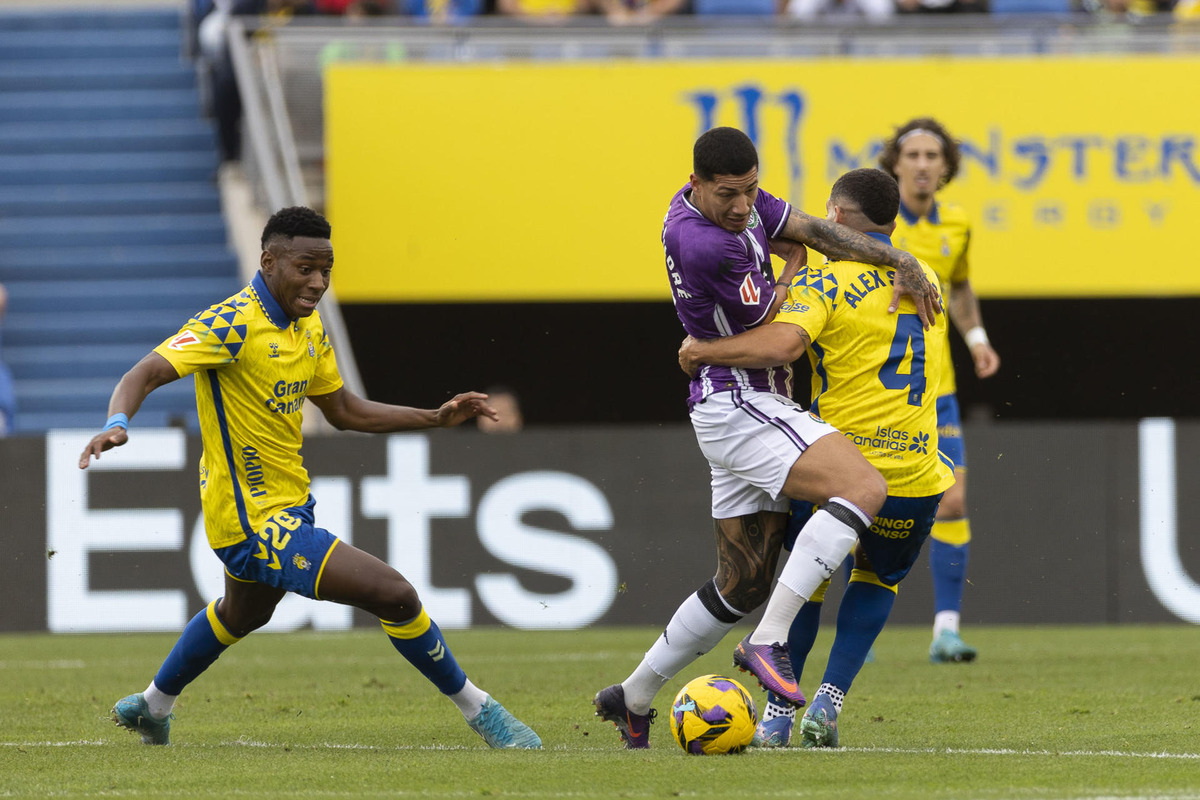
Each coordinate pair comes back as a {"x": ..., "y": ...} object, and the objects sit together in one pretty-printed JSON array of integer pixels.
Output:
[{"x": 1055, "y": 712}]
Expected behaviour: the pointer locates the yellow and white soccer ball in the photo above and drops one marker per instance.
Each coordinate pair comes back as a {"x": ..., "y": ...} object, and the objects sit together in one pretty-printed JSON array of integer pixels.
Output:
[{"x": 713, "y": 714}]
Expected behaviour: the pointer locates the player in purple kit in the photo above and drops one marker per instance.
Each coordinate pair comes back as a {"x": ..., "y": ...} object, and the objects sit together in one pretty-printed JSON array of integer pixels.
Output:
[{"x": 718, "y": 235}]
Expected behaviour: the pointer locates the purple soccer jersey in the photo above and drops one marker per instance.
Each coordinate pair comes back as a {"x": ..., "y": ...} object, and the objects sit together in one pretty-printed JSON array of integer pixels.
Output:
[{"x": 723, "y": 284}]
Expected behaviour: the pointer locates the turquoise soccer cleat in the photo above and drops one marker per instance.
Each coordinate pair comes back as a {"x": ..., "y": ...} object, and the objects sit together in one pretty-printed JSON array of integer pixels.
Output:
[
  {"x": 132, "y": 712},
  {"x": 818, "y": 728},
  {"x": 949, "y": 647},
  {"x": 501, "y": 730}
]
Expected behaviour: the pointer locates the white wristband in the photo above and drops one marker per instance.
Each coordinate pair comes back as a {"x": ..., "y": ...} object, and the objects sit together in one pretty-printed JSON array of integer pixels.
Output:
[{"x": 976, "y": 335}]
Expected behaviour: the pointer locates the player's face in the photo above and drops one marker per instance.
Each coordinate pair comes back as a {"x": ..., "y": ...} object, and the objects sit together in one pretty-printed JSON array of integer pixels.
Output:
[
  {"x": 921, "y": 165},
  {"x": 297, "y": 273},
  {"x": 727, "y": 200}
]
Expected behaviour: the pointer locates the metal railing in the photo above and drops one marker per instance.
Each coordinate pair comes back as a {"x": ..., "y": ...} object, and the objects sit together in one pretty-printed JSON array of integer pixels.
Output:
[{"x": 274, "y": 164}]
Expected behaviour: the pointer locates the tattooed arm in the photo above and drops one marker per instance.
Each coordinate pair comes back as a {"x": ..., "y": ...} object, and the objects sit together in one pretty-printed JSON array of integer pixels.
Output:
[
  {"x": 765, "y": 346},
  {"x": 963, "y": 308},
  {"x": 839, "y": 242}
]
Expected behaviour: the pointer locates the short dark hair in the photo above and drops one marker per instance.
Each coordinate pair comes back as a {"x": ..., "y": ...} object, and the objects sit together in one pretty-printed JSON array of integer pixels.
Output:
[
  {"x": 950, "y": 152},
  {"x": 723, "y": 151},
  {"x": 288, "y": 223},
  {"x": 872, "y": 190}
]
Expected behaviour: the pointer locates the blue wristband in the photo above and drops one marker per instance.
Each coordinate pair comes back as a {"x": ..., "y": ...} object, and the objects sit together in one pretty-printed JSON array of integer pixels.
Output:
[{"x": 117, "y": 421}]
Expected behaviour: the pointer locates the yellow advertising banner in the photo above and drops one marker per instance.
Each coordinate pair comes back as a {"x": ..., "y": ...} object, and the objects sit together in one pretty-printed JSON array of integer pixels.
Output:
[{"x": 549, "y": 182}]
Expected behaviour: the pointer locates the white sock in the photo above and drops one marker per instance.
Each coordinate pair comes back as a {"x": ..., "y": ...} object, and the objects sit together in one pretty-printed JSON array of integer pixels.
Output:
[
  {"x": 691, "y": 633},
  {"x": 836, "y": 695},
  {"x": 773, "y": 710},
  {"x": 945, "y": 621},
  {"x": 469, "y": 699},
  {"x": 641, "y": 687},
  {"x": 782, "y": 608},
  {"x": 822, "y": 544},
  {"x": 159, "y": 703}
]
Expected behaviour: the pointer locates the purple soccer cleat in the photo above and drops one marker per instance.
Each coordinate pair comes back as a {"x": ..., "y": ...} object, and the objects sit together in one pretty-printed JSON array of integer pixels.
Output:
[
  {"x": 634, "y": 728},
  {"x": 769, "y": 663}
]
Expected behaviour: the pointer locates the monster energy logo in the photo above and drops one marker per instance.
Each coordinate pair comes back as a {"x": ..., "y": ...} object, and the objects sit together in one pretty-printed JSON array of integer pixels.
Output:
[{"x": 750, "y": 102}]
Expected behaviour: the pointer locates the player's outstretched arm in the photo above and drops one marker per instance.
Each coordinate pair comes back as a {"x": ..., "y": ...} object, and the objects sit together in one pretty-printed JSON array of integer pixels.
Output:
[
  {"x": 347, "y": 411},
  {"x": 766, "y": 346},
  {"x": 839, "y": 242},
  {"x": 131, "y": 391}
]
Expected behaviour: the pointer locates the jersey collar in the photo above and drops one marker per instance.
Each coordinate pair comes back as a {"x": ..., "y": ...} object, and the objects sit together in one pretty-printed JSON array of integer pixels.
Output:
[
  {"x": 270, "y": 305},
  {"x": 883, "y": 237},
  {"x": 911, "y": 217}
]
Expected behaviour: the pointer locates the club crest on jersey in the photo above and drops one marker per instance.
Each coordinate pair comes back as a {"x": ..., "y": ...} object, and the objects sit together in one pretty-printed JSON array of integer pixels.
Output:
[
  {"x": 183, "y": 340},
  {"x": 301, "y": 562},
  {"x": 754, "y": 219},
  {"x": 749, "y": 291},
  {"x": 312, "y": 352}
]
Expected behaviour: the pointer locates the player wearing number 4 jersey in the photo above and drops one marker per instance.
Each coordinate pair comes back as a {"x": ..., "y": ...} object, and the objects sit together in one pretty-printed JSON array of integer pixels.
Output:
[
  {"x": 870, "y": 380},
  {"x": 762, "y": 448},
  {"x": 256, "y": 357}
]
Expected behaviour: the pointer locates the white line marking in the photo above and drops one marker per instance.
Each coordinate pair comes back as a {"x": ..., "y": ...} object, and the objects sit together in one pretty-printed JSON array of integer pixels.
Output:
[
  {"x": 59, "y": 664},
  {"x": 986, "y": 751}
]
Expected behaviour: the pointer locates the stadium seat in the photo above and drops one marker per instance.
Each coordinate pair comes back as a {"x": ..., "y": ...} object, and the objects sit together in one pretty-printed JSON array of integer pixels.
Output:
[
  {"x": 111, "y": 229},
  {"x": 745, "y": 8},
  {"x": 1009, "y": 7}
]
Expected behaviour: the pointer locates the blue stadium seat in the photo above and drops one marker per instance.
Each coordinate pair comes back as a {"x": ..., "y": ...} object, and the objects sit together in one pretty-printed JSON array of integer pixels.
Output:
[
  {"x": 1010, "y": 7},
  {"x": 111, "y": 228},
  {"x": 745, "y": 8}
]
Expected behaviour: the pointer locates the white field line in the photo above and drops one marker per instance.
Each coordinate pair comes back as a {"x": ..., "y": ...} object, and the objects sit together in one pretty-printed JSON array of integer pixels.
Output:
[
  {"x": 752, "y": 752},
  {"x": 40, "y": 665}
]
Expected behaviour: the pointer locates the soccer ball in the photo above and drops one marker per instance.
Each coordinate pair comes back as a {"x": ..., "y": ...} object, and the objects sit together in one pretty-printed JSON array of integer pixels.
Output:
[{"x": 713, "y": 714}]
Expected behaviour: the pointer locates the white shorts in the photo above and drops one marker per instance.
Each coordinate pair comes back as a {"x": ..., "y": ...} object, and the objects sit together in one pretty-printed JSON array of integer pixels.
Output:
[{"x": 751, "y": 440}]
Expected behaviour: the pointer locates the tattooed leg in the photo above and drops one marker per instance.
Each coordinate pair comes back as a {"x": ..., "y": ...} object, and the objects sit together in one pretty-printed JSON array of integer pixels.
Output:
[{"x": 748, "y": 550}]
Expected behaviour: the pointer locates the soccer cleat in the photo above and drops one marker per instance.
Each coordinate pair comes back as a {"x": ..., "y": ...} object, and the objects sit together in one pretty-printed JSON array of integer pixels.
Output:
[
  {"x": 501, "y": 730},
  {"x": 634, "y": 728},
  {"x": 775, "y": 732},
  {"x": 948, "y": 647},
  {"x": 132, "y": 712},
  {"x": 818, "y": 727},
  {"x": 771, "y": 665}
]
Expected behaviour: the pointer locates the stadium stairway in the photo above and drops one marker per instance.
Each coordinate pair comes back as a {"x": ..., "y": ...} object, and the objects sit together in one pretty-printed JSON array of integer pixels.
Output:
[{"x": 111, "y": 231}]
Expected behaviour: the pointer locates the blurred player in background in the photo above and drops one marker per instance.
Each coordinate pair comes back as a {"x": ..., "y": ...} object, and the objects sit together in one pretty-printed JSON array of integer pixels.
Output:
[
  {"x": 923, "y": 157},
  {"x": 762, "y": 448},
  {"x": 257, "y": 356},
  {"x": 870, "y": 381}
]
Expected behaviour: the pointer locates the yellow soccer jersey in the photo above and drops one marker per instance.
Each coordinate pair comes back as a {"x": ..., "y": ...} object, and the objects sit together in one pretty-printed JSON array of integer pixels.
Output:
[
  {"x": 940, "y": 240},
  {"x": 253, "y": 369},
  {"x": 869, "y": 370}
]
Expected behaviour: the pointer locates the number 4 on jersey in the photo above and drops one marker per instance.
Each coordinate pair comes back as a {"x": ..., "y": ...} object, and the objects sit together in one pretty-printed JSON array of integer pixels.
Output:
[{"x": 910, "y": 337}]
